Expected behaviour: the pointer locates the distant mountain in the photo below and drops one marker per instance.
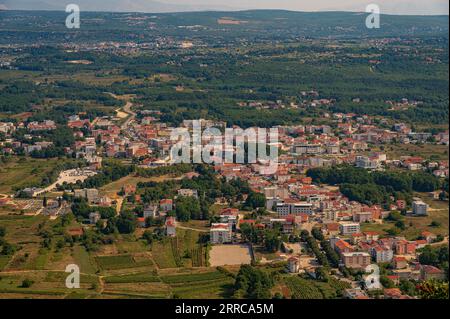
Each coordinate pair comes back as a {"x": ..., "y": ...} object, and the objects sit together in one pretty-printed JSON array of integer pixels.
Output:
[{"x": 109, "y": 5}]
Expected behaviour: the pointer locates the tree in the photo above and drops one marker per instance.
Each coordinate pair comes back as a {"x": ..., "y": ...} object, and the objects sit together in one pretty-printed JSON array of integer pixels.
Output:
[
  {"x": 2, "y": 231},
  {"x": 126, "y": 223},
  {"x": 252, "y": 283},
  {"x": 272, "y": 242},
  {"x": 433, "y": 290},
  {"x": 27, "y": 283},
  {"x": 255, "y": 200}
]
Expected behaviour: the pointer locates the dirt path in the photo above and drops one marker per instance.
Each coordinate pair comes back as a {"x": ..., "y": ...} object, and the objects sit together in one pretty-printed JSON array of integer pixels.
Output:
[{"x": 194, "y": 229}]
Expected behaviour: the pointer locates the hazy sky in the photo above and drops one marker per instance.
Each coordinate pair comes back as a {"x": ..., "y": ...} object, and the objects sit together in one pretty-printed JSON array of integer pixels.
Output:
[{"x": 388, "y": 6}]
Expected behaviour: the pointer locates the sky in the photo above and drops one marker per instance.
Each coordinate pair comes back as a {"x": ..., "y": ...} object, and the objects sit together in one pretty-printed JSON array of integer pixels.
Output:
[{"x": 387, "y": 6}]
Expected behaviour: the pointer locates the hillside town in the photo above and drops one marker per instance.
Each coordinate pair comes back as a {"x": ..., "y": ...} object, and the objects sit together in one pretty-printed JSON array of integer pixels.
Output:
[{"x": 294, "y": 204}]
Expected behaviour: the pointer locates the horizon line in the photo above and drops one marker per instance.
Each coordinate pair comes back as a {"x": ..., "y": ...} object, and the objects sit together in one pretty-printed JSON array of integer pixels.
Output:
[{"x": 231, "y": 11}]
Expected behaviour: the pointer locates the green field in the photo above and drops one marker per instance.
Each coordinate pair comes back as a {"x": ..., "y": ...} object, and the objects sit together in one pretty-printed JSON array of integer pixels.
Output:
[{"x": 24, "y": 172}]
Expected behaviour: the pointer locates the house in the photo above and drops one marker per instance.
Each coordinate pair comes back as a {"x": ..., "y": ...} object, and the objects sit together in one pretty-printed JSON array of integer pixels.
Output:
[
  {"x": 141, "y": 222},
  {"x": 170, "y": 224},
  {"x": 355, "y": 293},
  {"x": 332, "y": 228},
  {"x": 430, "y": 272},
  {"x": 392, "y": 293},
  {"x": 428, "y": 236},
  {"x": 294, "y": 264},
  {"x": 75, "y": 232},
  {"x": 220, "y": 233},
  {"x": 188, "y": 193},
  {"x": 371, "y": 235},
  {"x": 94, "y": 218},
  {"x": 342, "y": 246},
  {"x": 150, "y": 211},
  {"x": 400, "y": 262},
  {"x": 363, "y": 217},
  {"x": 166, "y": 205},
  {"x": 404, "y": 247},
  {"x": 90, "y": 194},
  {"x": 356, "y": 238}
]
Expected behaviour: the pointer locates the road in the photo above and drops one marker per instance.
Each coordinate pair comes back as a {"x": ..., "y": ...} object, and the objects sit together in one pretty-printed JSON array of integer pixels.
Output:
[{"x": 69, "y": 176}]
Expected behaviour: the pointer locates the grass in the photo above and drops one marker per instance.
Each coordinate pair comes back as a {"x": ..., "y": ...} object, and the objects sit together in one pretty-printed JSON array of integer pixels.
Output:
[
  {"x": 132, "y": 278},
  {"x": 213, "y": 284},
  {"x": 427, "y": 151},
  {"x": 115, "y": 262},
  {"x": 84, "y": 260},
  {"x": 438, "y": 212},
  {"x": 182, "y": 251},
  {"x": 4, "y": 261},
  {"x": 23, "y": 172}
]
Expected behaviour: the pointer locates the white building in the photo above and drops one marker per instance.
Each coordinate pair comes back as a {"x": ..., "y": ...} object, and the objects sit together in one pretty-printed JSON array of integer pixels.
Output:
[
  {"x": 94, "y": 218},
  {"x": 420, "y": 208},
  {"x": 284, "y": 209},
  {"x": 220, "y": 233},
  {"x": 188, "y": 193},
  {"x": 349, "y": 228},
  {"x": 381, "y": 254},
  {"x": 150, "y": 211}
]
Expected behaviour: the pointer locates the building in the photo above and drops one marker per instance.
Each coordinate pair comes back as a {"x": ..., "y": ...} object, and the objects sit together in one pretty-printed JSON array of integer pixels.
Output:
[
  {"x": 381, "y": 254},
  {"x": 367, "y": 162},
  {"x": 294, "y": 264},
  {"x": 220, "y": 233},
  {"x": 188, "y": 193},
  {"x": 341, "y": 246},
  {"x": 150, "y": 211},
  {"x": 355, "y": 293},
  {"x": 420, "y": 208},
  {"x": 356, "y": 260},
  {"x": 94, "y": 218},
  {"x": 310, "y": 149},
  {"x": 349, "y": 228},
  {"x": 285, "y": 209},
  {"x": 400, "y": 262},
  {"x": 428, "y": 272},
  {"x": 90, "y": 194},
  {"x": 362, "y": 217},
  {"x": 171, "y": 230},
  {"x": 166, "y": 205}
]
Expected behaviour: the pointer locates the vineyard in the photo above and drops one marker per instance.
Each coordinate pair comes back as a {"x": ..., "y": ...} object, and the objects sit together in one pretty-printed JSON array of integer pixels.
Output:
[{"x": 301, "y": 288}]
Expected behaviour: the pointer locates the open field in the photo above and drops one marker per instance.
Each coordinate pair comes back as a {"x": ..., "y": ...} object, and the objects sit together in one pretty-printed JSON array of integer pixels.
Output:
[
  {"x": 439, "y": 212},
  {"x": 23, "y": 172},
  {"x": 221, "y": 255},
  {"x": 427, "y": 151}
]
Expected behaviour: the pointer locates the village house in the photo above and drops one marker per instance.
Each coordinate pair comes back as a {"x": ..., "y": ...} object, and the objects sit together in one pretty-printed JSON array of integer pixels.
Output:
[
  {"x": 220, "y": 233},
  {"x": 170, "y": 224}
]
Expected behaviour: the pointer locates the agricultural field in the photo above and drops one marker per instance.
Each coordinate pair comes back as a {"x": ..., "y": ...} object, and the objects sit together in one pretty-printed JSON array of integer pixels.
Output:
[
  {"x": 300, "y": 288},
  {"x": 181, "y": 251}
]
